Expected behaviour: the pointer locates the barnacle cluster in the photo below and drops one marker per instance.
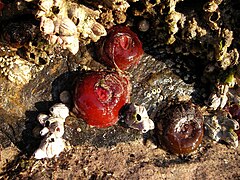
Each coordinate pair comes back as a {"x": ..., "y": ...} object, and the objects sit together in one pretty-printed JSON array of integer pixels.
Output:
[
  {"x": 15, "y": 68},
  {"x": 23, "y": 51},
  {"x": 53, "y": 129},
  {"x": 209, "y": 39},
  {"x": 66, "y": 23},
  {"x": 118, "y": 9},
  {"x": 221, "y": 128},
  {"x": 111, "y": 11},
  {"x": 219, "y": 98}
]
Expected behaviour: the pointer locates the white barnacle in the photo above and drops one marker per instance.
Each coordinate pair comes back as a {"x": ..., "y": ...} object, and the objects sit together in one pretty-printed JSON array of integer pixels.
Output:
[
  {"x": 221, "y": 128},
  {"x": 137, "y": 117},
  {"x": 42, "y": 118},
  {"x": 158, "y": 90},
  {"x": 149, "y": 95},
  {"x": 59, "y": 110},
  {"x": 219, "y": 99},
  {"x": 53, "y": 129},
  {"x": 154, "y": 91},
  {"x": 46, "y": 25},
  {"x": 45, "y": 5},
  {"x": 50, "y": 146},
  {"x": 67, "y": 27},
  {"x": 215, "y": 101},
  {"x": 71, "y": 43}
]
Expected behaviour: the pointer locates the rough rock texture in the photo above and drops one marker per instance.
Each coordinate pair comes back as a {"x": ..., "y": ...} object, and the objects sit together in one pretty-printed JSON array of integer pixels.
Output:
[{"x": 172, "y": 68}]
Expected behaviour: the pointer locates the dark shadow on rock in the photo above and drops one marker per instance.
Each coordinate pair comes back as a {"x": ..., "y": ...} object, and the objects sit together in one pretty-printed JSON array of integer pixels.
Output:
[
  {"x": 64, "y": 82},
  {"x": 173, "y": 160},
  {"x": 30, "y": 141},
  {"x": 10, "y": 130},
  {"x": 77, "y": 132}
]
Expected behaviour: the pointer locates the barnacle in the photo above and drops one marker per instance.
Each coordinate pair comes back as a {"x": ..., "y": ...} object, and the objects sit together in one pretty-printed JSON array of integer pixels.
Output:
[
  {"x": 18, "y": 70},
  {"x": 136, "y": 117},
  {"x": 219, "y": 98},
  {"x": 53, "y": 129},
  {"x": 66, "y": 23},
  {"x": 212, "y": 13},
  {"x": 192, "y": 30},
  {"x": 221, "y": 128},
  {"x": 23, "y": 51},
  {"x": 118, "y": 8},
  {"x": 172, "y": 21},
  {"x": 50, "y": 146}
]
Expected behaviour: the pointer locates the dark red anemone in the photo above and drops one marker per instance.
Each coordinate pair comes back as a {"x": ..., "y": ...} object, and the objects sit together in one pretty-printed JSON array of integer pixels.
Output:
[
  {"x": 121, "y": 48},
  {"x": 1, "y": 6},
  {"x": 180, "y": 129},
  {"x": 99, "y": 96}
]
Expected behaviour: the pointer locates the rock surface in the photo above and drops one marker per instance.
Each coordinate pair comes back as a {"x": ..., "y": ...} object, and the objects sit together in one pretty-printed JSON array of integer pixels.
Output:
[{"x": 166, "y": 73}]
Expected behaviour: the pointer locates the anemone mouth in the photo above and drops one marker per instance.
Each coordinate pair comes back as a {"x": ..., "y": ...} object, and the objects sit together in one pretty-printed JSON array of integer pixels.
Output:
[
  {"x": 186, "y": 131},
  {"x": 103, "y": 94},
  {"x": 109, "y": 89},
  {"x": 125, "y": 41},
  {"x": 182, "y": 128}
]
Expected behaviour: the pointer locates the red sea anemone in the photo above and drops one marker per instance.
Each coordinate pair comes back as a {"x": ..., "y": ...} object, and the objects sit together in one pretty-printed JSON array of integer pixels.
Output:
[
  {"x": 99, "y": 96},
  {"x": 1, "y": 6},
  {"x": 180, "y": 129},
  {"x": 121, "y": 48}
]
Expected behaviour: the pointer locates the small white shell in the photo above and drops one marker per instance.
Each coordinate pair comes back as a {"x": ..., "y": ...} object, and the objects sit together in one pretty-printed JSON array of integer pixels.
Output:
[
  {"x": 71, "y": 43},
  {"x": 45, "y": 5},
  {"x": 219, "y": 99},
  {"x": 98, "y": 29},
  {"x": 50, "y": 146},
  {"x": 137, "y": 118},
  {"x": 59, "y": 110},
  {"x": 76, "y": 14},
  {"x": 215, "y": 101},
  {"x": 53, "y": 39},
  {"x": 42, "y": 118},
  {"x": 47, "y": 25},
  {"x": 67, "y": 27},
  {"x": 44, "y": 131}
]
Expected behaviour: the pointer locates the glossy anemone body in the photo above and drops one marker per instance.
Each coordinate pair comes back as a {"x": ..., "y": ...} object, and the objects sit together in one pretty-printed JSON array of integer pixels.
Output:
[
  {"x": 99, "y": 96},
  {"x": 121, "y": 48},
  {"x": 180, "y": 128}
]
